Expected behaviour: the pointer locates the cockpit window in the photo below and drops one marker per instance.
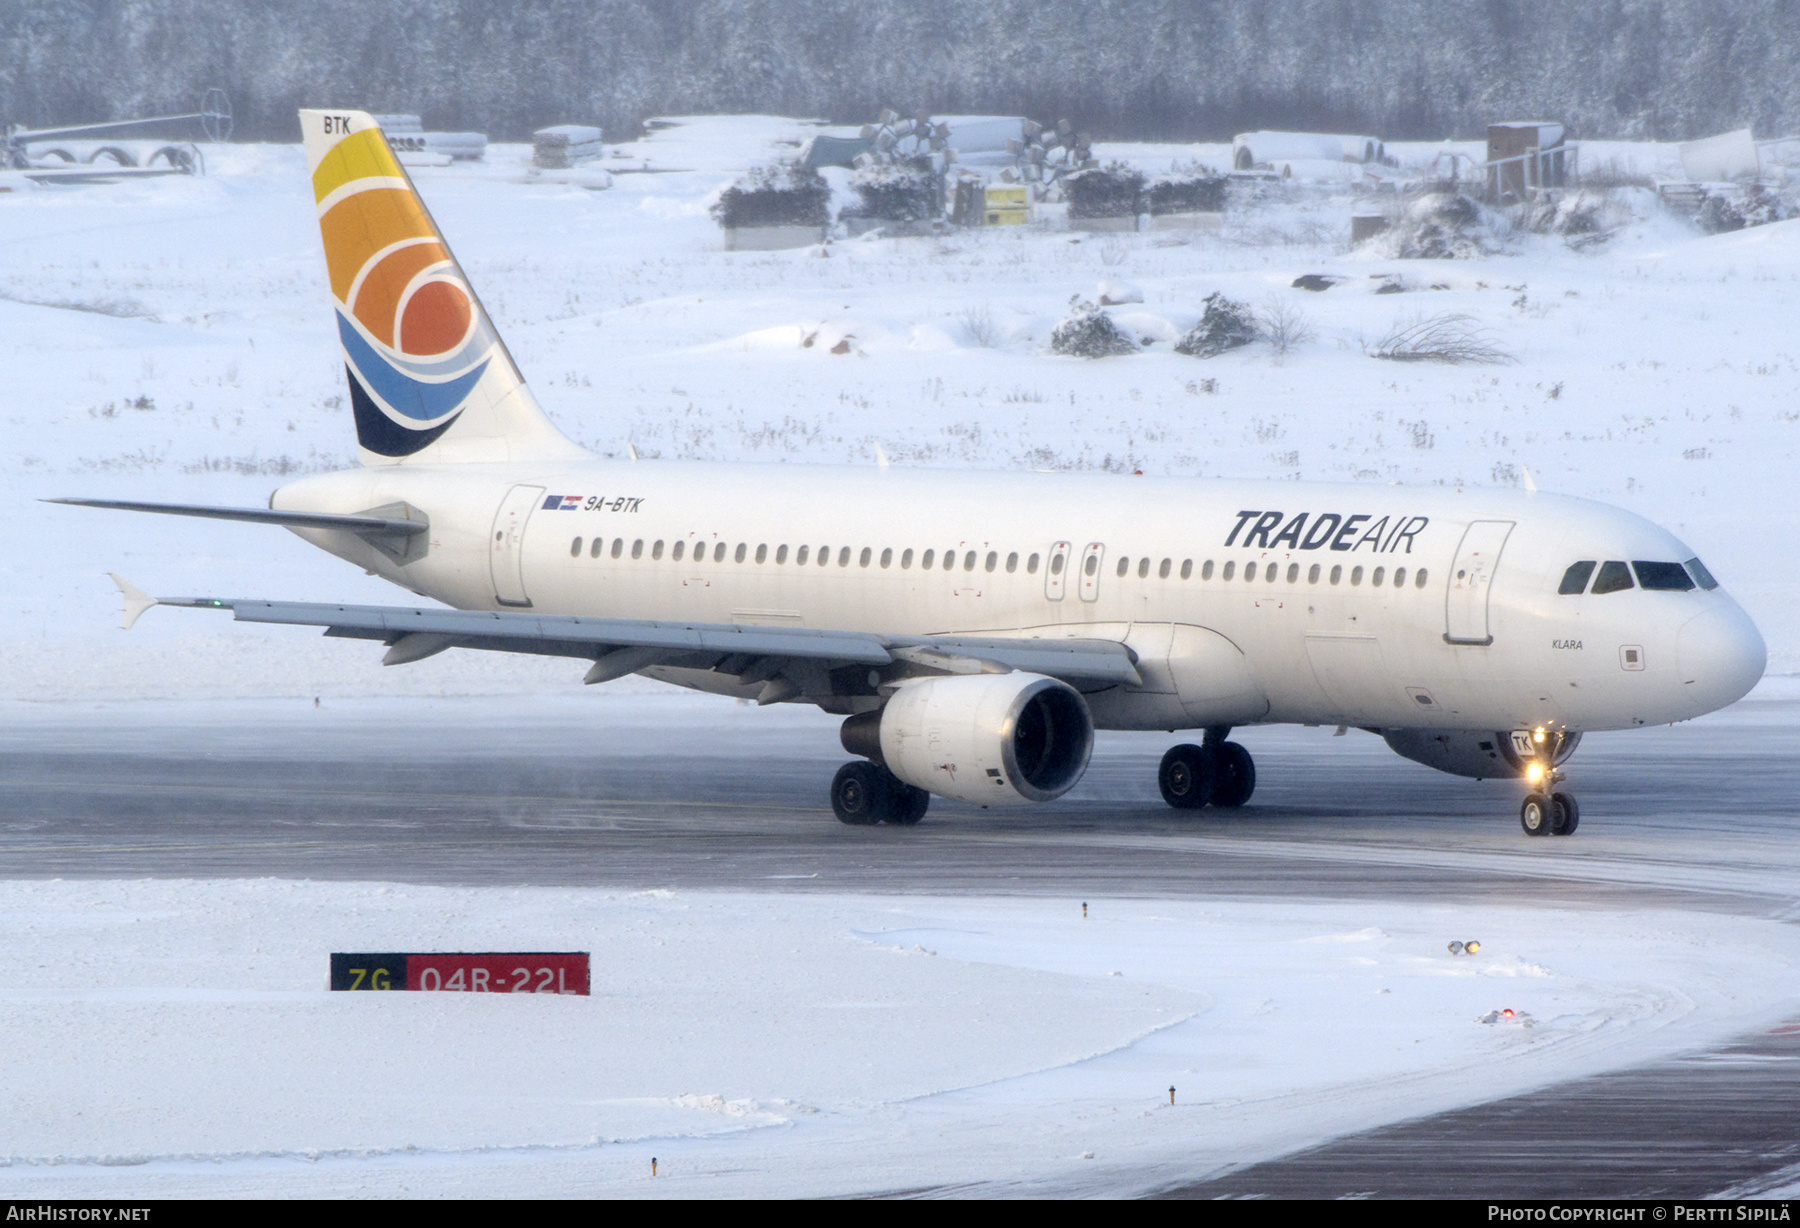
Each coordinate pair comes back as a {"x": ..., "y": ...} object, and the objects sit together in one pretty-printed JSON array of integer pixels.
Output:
[
  {"x": 1575, "y": 579},
  {"x": 1703, "y": 576},
  {"x": 1663, "y": 577},
  {"x": 1614, "y": 577}
]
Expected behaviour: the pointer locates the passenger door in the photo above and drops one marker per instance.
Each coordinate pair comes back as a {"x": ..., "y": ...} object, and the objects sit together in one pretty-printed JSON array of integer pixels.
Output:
[
  {"x": 505, "y": 555},
  {"x": 1471, "y": 580}
]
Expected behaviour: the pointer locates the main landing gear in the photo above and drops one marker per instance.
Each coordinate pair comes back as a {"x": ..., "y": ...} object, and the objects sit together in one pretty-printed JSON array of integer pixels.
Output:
[
  {"x": 864, "y": 793},
  {"x": 1215, "y": 773}
]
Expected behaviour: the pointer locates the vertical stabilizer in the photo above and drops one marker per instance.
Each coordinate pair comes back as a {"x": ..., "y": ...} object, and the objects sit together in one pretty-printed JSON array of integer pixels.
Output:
[{"x": 430, "y": 380}]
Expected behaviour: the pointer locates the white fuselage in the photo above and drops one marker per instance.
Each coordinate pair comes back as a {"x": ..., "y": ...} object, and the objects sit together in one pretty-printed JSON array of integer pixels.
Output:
[{"x": 1370, "y": 605}]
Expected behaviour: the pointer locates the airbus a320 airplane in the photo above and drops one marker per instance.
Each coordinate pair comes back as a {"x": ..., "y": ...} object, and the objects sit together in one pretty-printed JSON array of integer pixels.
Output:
[{"x": 973, "y": 629}]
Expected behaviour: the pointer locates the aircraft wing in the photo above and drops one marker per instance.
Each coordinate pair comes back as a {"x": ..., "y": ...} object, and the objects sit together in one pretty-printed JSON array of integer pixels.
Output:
[{"x": 620, "y": 646}]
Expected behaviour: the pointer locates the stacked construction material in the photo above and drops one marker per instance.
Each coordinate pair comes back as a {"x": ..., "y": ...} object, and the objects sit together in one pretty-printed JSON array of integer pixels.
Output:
[{"x": 564, "y": 145}]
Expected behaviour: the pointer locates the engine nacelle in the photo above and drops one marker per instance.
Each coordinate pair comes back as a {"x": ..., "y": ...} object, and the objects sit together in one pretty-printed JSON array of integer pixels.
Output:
[
  {"x": 1477, "y": 752},
  {"x": 991, "y": 739}
]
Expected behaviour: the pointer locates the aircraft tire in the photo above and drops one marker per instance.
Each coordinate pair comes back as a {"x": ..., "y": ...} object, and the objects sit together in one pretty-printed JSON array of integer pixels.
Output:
[
  {"x": 1234, "y": 775},
  {"x": 1565, "y": 814},
  {"x": 1187, "y": 777},
  {"x": 860, "y": 795},
  {"x": 908, "y": 802},
  {"x": 1536, "y": 814}
]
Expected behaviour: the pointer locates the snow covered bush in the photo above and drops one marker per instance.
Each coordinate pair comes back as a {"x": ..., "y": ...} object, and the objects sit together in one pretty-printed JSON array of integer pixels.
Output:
[
  {"x": 1443, "y": 226},
  {"x": 1225, "y": 325},
  {"x": 1757, "y": 206},
  {"x": 1104, "y": 191},
  {"x": 1443, "y": 338},
  {"x": 1089, "y": 333},
  {"x": 783, "y": 195},
  {"x": 896, "y": 193},
  {"x": 1189, "y": 188}
]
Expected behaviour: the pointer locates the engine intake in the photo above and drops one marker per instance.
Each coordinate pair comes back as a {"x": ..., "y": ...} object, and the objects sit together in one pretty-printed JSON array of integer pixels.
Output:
[{"x": 991, "y": 739}]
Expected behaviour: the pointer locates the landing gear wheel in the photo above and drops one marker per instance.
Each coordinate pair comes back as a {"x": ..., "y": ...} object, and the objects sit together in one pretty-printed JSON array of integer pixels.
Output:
[
  {"x": 1187, "y": 777},
  {"x": 909, "y": 802},
  {"x": 1234, "y": 775},
  {"x": 1536, "y": 814},
  {"x": 1565, "y": 814},
  {"x": 859, "y": 794}
]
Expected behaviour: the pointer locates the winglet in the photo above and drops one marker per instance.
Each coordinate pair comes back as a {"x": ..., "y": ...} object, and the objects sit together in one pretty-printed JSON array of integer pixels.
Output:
[{"x": 136, "y": 599}]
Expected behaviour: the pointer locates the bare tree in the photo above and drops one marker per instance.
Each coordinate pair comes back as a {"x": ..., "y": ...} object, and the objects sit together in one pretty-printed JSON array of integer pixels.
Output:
[{"x": 1443, "y": 338}]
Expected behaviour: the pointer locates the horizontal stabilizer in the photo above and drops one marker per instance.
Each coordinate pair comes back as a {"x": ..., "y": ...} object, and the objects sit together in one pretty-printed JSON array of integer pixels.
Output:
[
  {"x": 366, "y": 526},
  {"x": 136, "y": 599}
]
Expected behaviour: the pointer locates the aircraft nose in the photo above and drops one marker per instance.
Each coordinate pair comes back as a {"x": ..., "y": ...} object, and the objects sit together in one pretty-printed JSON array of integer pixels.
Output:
[{"x": 1720, "y": 655}]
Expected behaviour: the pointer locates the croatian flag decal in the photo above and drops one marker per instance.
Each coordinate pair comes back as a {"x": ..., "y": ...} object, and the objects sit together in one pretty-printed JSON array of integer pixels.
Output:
[{"x": 562, "y": 503}]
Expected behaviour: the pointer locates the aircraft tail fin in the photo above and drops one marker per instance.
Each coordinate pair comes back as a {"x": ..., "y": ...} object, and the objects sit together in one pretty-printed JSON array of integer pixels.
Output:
[{"x": 430, "y": 379}]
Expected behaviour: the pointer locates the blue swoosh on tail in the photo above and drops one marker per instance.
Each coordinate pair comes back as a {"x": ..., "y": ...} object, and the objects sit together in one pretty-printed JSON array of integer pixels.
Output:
[{"x": 413, "y": 398}]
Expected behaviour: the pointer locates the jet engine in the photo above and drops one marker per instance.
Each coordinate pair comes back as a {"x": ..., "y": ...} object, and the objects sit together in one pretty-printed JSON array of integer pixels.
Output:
[
  {"x": 991, "y": 739},
  {"x": 1477, "y": 752}
]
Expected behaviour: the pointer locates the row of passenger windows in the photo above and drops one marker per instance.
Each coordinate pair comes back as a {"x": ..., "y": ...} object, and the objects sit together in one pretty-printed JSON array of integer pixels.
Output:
[
  {"x": 1615, "y": 575},
  {"x": 969, "y": 560}
]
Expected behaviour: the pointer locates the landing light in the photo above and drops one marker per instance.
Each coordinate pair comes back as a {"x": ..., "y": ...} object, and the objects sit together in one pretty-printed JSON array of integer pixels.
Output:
[{"x": 1534, "y": 772}]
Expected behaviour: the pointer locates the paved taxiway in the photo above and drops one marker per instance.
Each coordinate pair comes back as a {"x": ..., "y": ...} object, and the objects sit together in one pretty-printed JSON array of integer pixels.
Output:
[{"x": 686, "y": 794}]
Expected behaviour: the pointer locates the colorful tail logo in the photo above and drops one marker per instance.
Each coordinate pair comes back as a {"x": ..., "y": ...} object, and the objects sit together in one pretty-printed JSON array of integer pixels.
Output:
[{"x": 416, "y": 343}]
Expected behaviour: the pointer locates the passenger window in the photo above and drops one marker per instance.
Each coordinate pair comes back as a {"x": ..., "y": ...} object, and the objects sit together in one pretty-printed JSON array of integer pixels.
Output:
[
  {"x": 618, "y": 546},
  {"x": 1250, "y": 572},
  {"x": 594, "y": 550},
  {"x": 1312, "y": 575},
  {"x": 656, "y": 550},
  {"x": 926, "y": 559},
  {"x": 1206, "y": 571},
  {"x": 1419, "y": 579},
  {"x": 1092, "y": 565},
  {"x": 1614, "y": 577},
  {"x": 800, "y": 556},
  {"x": 1031, "y": 565},
  {"x": 1399, "y": 577},
  {"x": 637, "y": 548},
  {"x": 843, "y": 556},
  {"x": 762, "y": 553},
  {"x": 1056, "y": 564},
  {"x": 1012, "y": 562},
  {"x": 993, "y": 560},
  {"x": 1229, "y": 568},
  {"x": 887, "y": 557},
  {"x": 969, "y": 561},
  {"x": 1271, "y": 572},
  {"x": 738, "y": 555},
  {"x": 1375, "y": 579},
  {"x": 678, "y": 551},
  {"x": 906, "y": 559},
  {"x": 780, "y": 555},
  {"x": 575, "y": 548},
  {"x": 1355, "y": 575},
  {"x": 864, "y": 558},
  {"x": 719, "y": 553},
  {"x": 1293, "y": 573},
  {"x": 1144, "y": 568},
  {"x": 824, "y": 556},
  {"x": 1124, "y": 565},
  {"x": 1337, "y": 573},
  {"x": 1187, "y": 569},
  {"x": 1663, "y": 577},
  {"x": 1703, "y": 576},
  {"x": 1575, "y": 579},
  {"x": 949, "y": 560}
]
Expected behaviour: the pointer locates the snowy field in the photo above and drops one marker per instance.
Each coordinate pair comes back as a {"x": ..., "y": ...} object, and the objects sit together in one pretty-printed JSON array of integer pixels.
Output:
[
  {"x": 172, "y": 340},
  {"x": 176, "y": 1038}
]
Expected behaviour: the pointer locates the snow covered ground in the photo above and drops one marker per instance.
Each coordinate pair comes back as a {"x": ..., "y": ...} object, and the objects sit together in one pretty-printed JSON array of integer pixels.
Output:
[
  {"x": 171, "y": 340},
  {"x": 169, "y": 1038}
]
